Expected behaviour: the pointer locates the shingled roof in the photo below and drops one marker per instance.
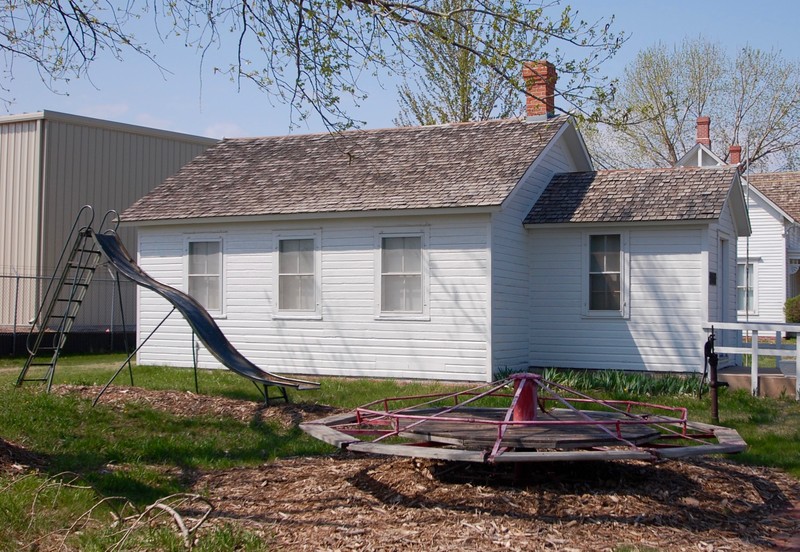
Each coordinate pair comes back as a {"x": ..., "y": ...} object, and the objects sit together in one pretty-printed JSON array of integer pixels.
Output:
[
  {"x": 674, "y": 194},
  {"x": 782, "y": 189},
  {"x": 442, "y": 166}
]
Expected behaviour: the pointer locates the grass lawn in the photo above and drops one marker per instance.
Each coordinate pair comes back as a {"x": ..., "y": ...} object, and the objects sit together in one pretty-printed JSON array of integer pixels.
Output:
[{"x": 151, "y": 451}]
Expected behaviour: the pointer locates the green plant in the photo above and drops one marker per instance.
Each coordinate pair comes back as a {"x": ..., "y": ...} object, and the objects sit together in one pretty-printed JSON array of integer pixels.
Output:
[
  {"x": 792, "y": 310},
  {"x": 625, "y": 384},
  {"x": 143, "y": 454}
]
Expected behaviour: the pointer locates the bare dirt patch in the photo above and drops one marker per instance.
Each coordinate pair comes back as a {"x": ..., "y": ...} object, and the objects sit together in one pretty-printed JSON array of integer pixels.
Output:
[
  {"x": 350, "y": 502},
  {"x": 187, "y": 403}
]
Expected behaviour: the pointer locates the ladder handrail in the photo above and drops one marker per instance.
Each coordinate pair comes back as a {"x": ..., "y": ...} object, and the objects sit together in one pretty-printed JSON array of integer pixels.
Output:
[
  {"x": 114, "y": 220},
  {"x": 58, "y": 274},
  {"x": 81, "y": 264}
]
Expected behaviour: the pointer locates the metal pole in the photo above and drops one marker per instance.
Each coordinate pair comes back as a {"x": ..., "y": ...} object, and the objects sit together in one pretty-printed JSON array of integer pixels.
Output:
[
  {"x": 124, "y": 326},
  {"x": 16, "y": 312},
  {"x": 712, "y": 363},
  {"x": 111, "y": 330},
  {"x": 713, "y": 360},
  {"x": 194, "y": 363},
  {"x": 130, "y": 356}
]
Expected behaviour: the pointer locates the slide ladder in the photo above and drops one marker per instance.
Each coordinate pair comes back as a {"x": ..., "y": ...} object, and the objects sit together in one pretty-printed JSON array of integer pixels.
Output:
[
  {"x": 62, "y": 300},
  {"x": 60, "y": 304}
]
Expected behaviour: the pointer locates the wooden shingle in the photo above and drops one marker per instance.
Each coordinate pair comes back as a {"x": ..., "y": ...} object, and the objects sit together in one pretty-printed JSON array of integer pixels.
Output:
[
  {"x": 442, "y": 166},
  {"x": 635, "y": 195},
  {"x": 782, "y": 188}
]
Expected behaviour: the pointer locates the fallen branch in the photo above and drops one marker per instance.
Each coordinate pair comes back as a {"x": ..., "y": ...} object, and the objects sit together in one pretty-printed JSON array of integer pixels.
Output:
[{"x": 187, "y": 533}]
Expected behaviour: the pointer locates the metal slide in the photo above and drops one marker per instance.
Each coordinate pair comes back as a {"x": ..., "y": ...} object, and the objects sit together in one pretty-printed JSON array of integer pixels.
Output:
[{"x": 198, "y": 318}]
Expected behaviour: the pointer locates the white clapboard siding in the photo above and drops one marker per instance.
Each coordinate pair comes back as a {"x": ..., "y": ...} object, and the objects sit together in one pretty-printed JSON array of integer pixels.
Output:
[
  {"x": 511, "y": 262},
  {"x": 663, "y": 332},
  {"x": 725, "y": 227},
  {"x": 347, "y": 340},
  {"x": 766, "y": 248}
]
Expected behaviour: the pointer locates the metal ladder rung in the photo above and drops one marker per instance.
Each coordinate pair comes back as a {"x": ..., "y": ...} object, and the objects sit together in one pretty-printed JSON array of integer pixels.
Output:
[
  {"x": 73, "y": 275},
  {"x": 81, "y": 284}
]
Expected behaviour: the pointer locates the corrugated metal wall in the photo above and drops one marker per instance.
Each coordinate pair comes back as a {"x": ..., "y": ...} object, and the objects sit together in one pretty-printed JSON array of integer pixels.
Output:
[
  {"x": 51, "y": 164},
  {"x": 19, "y": 200},
  {"x": 108, "y": 168}
]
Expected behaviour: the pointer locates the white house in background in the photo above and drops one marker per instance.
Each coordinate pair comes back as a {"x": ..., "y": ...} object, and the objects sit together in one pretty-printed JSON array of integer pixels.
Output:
[
  {"x": 769, "y": 260},
  {"x": 768, "y": 264},
  {"x": 442, "y": 252}
]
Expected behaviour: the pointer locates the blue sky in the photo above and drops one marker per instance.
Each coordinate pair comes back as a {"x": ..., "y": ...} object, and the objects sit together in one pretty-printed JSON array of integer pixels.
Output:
[{"x": 195, "y": 100}]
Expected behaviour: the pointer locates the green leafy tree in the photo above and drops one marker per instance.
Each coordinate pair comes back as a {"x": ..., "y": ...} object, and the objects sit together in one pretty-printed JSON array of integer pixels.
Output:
[
  {"x": 792, "y": 310},
  {"x": 753, "y": 99},
  {"x": 310, "y": 54}
]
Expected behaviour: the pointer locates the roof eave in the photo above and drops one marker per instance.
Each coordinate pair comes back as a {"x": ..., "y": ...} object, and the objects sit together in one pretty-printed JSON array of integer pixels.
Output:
[
  {"x": 575, "y": 144},
  {"x": 739, "y": 210},
  {"x": 769, "y": 202},
  {"x": 606, "y": 224},
  {"x": 694, "y": 151},
  {"x": 313, "y": 216}
]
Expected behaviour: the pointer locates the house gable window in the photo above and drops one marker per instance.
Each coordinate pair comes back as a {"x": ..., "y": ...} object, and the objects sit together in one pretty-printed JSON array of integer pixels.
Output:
[
  {"x": 605, "y": 285},
  {"x": 297, "y": 275},
  {"x": 204, "y": 273},
  {"x": 746, "y": 289},
  {"x": 402, "y": 275}
]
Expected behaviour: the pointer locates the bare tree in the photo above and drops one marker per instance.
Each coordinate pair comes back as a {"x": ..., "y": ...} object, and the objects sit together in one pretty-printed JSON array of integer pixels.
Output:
[
  {"x": 449, "y": 82},
  {"x": 753, "y": 100},
  {"x": 308, "y": 54}
]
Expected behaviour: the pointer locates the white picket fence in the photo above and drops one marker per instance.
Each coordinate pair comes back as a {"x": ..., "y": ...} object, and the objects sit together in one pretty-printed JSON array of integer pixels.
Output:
[{"x": 758, "y": 349}]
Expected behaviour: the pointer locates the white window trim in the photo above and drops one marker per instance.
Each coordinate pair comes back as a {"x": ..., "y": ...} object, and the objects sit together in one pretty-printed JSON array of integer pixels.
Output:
[
  {"x": 410, "y": 232},
  {"x": 625, "y": 272},
  {"x": 754, "y": 284},
  {"x": 221, "y": 313},
  {"x": 277, "y": 313}
]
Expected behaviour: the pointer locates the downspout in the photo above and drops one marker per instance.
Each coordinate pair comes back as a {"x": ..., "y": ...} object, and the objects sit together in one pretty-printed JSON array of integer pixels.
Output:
[{"x": 747, "y": 247}]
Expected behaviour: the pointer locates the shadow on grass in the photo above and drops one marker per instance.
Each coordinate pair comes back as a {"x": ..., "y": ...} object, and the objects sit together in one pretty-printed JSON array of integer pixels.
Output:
[{"x": 136, "y": 451}]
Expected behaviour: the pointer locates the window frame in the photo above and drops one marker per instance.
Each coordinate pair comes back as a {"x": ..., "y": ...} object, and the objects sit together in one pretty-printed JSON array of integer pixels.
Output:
[
  {"x": 189, "y": 240},
  {"x": 412, "y": 232},
  {"x": 624, "y": 275},
  {"x": 310, "y": 314},
  {"x": 753, "y": 311}
]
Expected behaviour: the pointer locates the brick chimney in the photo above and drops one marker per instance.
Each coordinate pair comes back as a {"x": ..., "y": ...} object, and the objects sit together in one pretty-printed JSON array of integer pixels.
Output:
[
  {"x": 703, "y": 129},
  {"x": 540, "y": 81},
  {"x": 735, "y": 155}
]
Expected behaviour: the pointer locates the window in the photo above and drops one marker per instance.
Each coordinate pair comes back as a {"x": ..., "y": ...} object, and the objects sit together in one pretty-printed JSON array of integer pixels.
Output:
[
  {"x": 205, "y": 273},
  {"x": 605, "y": 272},
  {"x": 746, "y": 287},
  {"x": 794, "y": 277},
  {"x": 402, "y": 282},
  {"x": 297, "y": 275}
]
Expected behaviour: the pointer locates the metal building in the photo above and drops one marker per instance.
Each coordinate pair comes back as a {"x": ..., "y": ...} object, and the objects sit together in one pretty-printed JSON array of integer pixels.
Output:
[{"x": 53, "y": 163}]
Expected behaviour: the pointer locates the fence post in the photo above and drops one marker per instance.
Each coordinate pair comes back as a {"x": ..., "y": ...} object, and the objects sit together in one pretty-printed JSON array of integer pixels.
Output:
[
  {"x": 754, "y": 363},
  {"x": 16, "y": 312},
  {"x": 797, "y": 368}
]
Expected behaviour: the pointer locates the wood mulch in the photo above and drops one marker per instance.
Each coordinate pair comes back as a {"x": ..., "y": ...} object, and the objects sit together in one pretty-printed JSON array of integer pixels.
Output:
[{"x": 349, "y": 502}]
